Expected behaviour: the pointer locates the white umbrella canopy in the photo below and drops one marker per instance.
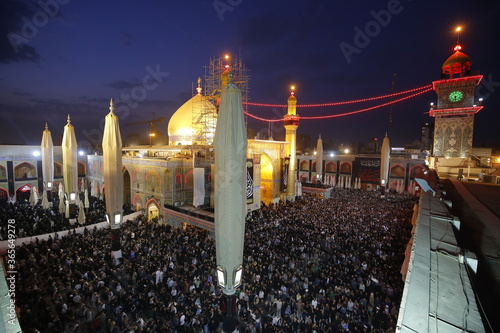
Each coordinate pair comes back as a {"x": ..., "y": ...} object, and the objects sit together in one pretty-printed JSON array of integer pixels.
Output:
[
  {"x": 70, "y": 163},
  {"x": 112, "y": 159},
  {"x": 47, "y": 148},
  {"x": 86, "y": 199},
  {"x": 32, "y": 196},
  {"x": 45, "y": 201},
  {"x": 230, "y": 146},
  {"x": 66, "y": 210},
  {"x": 81, "y": 213},
  {"x": 62, "y": 207}
]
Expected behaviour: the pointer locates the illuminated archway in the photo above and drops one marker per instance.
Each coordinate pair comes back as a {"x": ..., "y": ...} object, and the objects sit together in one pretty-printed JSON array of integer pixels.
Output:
[
  {"x": 266, "y": 178},
  {"x": 23, "y": 193},
  {"x": 153, "y": 209}
]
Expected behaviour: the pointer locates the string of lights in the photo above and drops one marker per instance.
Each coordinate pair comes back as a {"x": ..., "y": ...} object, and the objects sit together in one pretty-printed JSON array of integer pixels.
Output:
[
  {"x": 369, "y": 99},
  {"x": 429, "y": 88}
]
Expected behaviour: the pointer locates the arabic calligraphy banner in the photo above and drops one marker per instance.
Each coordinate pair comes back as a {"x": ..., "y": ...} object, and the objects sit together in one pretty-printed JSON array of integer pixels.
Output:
[{"x": 367, "y": 169}]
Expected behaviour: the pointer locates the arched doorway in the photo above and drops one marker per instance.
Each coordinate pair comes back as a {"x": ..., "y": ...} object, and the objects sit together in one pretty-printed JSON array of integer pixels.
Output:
[
  {"x": 266, "y": 178},
  {"x": 4, "y": 195},
  {"x": 23, "y": 193},
  {"x": 126, "y": 187},
  {"x": 153, "y": 210}
]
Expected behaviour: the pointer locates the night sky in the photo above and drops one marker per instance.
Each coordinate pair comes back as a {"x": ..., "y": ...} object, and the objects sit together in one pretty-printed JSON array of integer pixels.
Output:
[{"x": 72, "y": 56}]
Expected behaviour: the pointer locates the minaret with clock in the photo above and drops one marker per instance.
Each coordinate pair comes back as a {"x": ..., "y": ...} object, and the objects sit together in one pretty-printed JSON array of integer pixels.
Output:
[{"x": 455, "y": 109}]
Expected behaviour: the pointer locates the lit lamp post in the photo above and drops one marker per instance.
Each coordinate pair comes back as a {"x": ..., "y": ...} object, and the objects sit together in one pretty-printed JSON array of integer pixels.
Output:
[
  {"x": 230, "y": 146},
  {"x": 151, "y": 136}
]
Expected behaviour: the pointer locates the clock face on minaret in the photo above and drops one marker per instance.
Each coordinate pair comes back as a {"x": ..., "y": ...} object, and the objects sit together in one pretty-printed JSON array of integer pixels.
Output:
[{"x": 456, "y": 96}]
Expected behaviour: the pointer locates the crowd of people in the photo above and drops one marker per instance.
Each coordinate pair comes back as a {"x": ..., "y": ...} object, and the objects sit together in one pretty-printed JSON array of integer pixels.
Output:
[
  {"x": 32, "y": 220},
  {"x": 309, "y": 266}
]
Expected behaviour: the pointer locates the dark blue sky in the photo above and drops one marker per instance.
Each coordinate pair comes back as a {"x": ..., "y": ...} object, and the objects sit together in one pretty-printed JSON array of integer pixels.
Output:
[{"x": 91, "y": 51}]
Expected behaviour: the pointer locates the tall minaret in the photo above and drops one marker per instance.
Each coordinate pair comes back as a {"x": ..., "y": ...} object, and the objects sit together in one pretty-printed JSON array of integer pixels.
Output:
[
  {"x": 455, "y": 110},
  {"x": 291, "y": 122}
]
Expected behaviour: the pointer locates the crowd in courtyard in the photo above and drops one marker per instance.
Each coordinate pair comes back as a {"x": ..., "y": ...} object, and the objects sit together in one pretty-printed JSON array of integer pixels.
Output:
[
  {"x": 309, "y": 266},
  {"x": 32, "y": 220}
]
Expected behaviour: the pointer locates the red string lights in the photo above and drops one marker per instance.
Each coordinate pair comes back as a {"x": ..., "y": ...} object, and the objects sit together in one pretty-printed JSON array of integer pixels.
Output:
[
  {"x": 415, "y": 92},
  {"x": 340, "y": 103}
]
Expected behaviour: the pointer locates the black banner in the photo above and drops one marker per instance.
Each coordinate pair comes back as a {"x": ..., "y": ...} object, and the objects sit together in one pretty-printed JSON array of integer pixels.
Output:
[
  {"x": 249, "y": 181},
  {"x": 367, "y": 169}
]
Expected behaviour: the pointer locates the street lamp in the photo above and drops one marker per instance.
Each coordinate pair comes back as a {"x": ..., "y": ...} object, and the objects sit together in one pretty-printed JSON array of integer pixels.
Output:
[{"x": 151, "y": 135}]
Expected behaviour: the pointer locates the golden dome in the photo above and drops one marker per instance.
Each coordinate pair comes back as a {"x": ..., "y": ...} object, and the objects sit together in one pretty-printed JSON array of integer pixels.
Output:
[{"x": 184, "y": 130}]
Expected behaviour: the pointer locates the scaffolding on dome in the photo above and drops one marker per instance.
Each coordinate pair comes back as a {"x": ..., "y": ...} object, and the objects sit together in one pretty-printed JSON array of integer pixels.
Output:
[{"x": 204, "y": 119}]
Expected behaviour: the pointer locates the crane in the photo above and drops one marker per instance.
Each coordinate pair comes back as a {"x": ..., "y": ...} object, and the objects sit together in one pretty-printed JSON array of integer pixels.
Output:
[{"x": 153, "y": 123}]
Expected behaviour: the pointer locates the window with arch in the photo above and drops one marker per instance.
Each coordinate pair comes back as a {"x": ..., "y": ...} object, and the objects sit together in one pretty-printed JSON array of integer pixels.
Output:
[
  {"x": 397, "y": 171},
  {"x": 331, "y": 167},
  {"x": 152, "y": 181},
  {"x": 3, "y": 173},
  {"x": 24, "y": 171},
  {"x": 304, "y": 166},
  {"x": 345, "y": 167},
  {"x": 167, "y": 178},
  {"x": 417, "y": 171}
]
